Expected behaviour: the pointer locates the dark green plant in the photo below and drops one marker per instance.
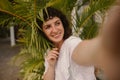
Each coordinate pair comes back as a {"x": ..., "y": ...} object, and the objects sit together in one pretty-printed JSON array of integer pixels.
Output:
[{"x": 86, "y": 20}]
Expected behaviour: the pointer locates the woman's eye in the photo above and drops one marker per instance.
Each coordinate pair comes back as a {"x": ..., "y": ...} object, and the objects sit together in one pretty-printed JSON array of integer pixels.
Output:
[
  {"x": 47, "y": 27},
  {"x": 57, "y": 23}
]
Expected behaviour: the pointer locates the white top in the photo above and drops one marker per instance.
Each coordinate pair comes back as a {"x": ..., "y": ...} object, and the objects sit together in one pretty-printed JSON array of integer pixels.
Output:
[{"x": 66, "y": 69}]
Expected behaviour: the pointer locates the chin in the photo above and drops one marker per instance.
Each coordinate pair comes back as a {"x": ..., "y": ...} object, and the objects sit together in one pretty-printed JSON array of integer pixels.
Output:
[{"x": 57, "y": 40}]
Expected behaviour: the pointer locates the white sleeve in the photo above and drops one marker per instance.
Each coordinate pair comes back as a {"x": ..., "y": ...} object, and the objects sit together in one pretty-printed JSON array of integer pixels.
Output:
[
  {"x": 46, "y": 66},
  {"x": 79, "y": 72},
  {"x": 46, "y": 63},
  {"x": 74, "y": 41}
]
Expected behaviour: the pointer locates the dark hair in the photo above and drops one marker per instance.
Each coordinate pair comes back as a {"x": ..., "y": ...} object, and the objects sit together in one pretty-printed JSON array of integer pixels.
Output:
[{"x": 52, "y": 12}]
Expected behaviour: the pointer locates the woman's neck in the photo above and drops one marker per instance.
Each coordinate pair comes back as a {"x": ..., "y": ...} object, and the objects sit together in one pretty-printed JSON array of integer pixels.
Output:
[{"x": 58, "y": 45}]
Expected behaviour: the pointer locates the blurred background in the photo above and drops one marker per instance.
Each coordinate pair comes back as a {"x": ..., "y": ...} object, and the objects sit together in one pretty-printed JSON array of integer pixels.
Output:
[{"x": 21, "y": 54}]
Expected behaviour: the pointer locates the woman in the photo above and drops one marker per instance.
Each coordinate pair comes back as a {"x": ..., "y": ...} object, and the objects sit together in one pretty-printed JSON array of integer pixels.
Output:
[{"x": 58, "y": 62}]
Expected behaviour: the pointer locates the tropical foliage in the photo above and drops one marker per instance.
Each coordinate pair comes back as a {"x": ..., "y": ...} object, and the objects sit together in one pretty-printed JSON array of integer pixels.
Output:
[
  {"x": 86, "y": 23},
  {"x": 23, "y": 14}
]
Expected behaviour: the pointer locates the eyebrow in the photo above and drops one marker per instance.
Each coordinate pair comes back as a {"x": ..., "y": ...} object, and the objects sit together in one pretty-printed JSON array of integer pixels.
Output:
[
  {"x": 57, "y": 20},
  {"x": 54, "y": 22}
]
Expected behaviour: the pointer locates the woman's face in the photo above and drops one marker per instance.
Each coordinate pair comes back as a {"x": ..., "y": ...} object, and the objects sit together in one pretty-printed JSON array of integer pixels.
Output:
[{"x": 53, "y": 29}]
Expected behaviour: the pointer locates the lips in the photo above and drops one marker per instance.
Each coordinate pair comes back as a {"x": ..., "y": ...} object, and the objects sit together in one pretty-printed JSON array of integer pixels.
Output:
[{"x": 58, "y": 34}]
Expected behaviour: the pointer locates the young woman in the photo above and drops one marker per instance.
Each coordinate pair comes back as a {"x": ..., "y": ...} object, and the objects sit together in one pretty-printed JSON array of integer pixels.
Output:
[{"x": 58, "y": 62}]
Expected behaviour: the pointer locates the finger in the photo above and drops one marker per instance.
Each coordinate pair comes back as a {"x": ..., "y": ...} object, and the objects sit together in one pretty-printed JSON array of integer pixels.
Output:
[
  {"x": 53, "y": 58},
  {"x": 52, "y": 55},
  {"x": 54, "y": 52},
  {"x": 56, "y": 49}
]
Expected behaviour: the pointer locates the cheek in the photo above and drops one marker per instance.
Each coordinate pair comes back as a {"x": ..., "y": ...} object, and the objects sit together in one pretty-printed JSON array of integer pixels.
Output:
[
  {"x": 62, "y": 28},
  {"x": 46, "y": 33}
]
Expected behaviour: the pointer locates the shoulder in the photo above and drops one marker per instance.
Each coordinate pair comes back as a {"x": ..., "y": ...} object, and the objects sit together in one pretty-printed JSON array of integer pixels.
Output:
[
  {"x": 72, "y": 40},
  {"x": 71, "y": 43}
]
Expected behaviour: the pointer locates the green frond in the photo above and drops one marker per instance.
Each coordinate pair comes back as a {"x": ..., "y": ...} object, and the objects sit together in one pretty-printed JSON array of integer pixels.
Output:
[
  {"x": 3, "y": 5},
  {"x": 31, "y": 69},
  {"x": 89, "y": 11}
]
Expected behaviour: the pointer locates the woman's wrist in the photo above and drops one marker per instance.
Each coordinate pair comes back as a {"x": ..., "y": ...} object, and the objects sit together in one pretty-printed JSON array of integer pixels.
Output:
[{"x": 52, "y": 67}]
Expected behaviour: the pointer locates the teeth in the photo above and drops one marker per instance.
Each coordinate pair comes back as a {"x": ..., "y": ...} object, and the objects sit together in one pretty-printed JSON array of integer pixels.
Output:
[{"x": 57, "y": 34}]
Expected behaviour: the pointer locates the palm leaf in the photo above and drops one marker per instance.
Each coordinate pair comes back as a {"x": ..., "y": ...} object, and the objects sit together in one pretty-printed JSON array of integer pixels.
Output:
[{"x": 89, "y": 12}]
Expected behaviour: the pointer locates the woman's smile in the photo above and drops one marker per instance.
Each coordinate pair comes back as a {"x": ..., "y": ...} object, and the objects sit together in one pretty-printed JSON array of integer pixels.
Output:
[{"x": 57, "y": 35}]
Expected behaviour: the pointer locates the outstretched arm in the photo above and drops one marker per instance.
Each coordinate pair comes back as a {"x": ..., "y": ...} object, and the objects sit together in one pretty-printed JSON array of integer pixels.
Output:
[
  {"x": 108, "y": 41},
  {"x": 85, "y": 52},
  {"x": 103, "y": 50}
]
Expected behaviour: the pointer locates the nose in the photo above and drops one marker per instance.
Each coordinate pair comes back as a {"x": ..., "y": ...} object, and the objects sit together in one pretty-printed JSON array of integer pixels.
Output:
[{"x": 54, "y": 29}]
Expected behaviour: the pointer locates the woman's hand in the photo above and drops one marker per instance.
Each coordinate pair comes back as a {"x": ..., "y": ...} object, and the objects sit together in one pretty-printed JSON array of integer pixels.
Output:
[{"x": 52, "y": 57}]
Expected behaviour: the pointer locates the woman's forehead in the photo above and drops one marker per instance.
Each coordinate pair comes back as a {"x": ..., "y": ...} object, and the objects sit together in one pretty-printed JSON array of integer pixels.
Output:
[{"x": 52, "y": 20}]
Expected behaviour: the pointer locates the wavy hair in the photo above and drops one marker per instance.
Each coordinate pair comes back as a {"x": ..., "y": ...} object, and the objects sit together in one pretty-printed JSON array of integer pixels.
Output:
[{"x": 51, "y": 12}]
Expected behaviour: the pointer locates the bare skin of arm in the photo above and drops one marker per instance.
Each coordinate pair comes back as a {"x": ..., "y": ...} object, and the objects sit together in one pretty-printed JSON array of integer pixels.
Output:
[
  {"x": 51, "y": 59},
  {"x": 50, "y": 74},
  {"x": 85, "y": 52},
  {"x": 104, "y": 50}
]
